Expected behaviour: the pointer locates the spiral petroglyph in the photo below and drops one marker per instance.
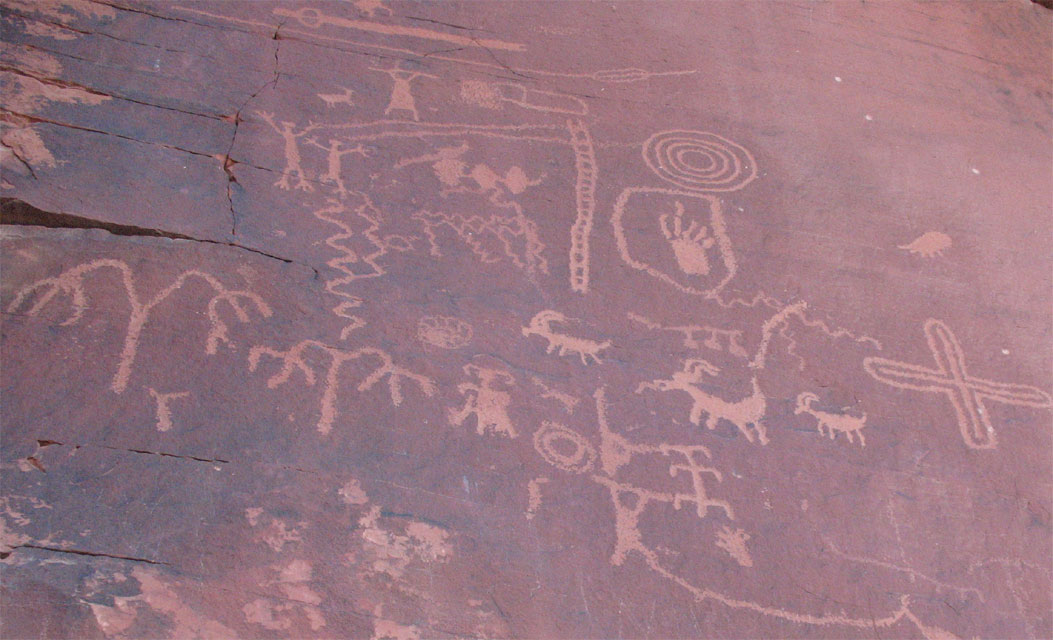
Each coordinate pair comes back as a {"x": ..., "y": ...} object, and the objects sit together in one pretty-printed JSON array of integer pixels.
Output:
[{"x": 699, "y": 160}]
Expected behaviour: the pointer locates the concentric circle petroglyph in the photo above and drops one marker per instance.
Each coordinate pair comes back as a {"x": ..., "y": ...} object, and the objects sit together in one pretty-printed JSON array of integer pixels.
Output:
[
  {"x": 699, "y": 160},
  {"x": 564, "y": 447}
]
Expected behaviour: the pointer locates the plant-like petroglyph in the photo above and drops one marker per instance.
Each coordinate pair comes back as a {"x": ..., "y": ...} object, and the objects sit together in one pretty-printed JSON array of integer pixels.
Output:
[
  {"x": 713, "y": 338},
  {"x": 699, "y": 161},
  {"x": 72, "y": 284},
  {"x": 333, "y": 99},
  {"x": 564, "y": 448},
  {"x": 295, "y": 359},
  {"x": 402, "y": 91},
  {"x": 834, "y": 423},
  {"x": 929, "y": 245},
  {"x": 542, "y": 324},
  {"x": 734, "y": 542},
  {"x": 967, "y": 393},
  {"x": 746, "y": 414},
  {"x": 293, "y": 160},
  {"x": 444, "y": 332},
  {"x": 485, "y": 401},
  {"x": 164, "y": 412},
  {"x": 690, "y": 243}
]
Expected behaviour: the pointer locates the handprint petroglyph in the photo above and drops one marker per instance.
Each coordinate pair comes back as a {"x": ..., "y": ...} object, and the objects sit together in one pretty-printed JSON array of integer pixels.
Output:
[{"x": 689, "y": 243}]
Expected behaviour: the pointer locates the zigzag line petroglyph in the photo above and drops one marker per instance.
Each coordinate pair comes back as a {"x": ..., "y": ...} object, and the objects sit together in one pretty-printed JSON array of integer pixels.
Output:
[
  {"x": 71, "y": 283},
  {"x": 712, "y": 340},
  {"x": 294, "y": 359},
  {"x": 966, "y": 393},
  {"x": 542, "y": 325},
  {"x": 781, "y": 320},
  {"x": 164, "y": 412},
  {"x": 585, "y": 192}
]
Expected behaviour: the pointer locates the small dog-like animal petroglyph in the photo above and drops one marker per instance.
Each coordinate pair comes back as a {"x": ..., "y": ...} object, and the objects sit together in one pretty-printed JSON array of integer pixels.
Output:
[
  {"x": 834, "y": 423},
  {"x": 542, "y": 325}
]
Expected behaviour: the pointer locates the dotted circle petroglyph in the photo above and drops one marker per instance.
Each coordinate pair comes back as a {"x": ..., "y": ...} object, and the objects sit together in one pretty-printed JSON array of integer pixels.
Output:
[
  {"x": 552, "y": 433},
  {"x": 699, "y": 160}
]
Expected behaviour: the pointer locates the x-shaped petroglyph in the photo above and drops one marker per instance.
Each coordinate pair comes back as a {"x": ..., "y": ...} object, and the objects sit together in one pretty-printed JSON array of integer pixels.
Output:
[{"x": 966, "y": 393}]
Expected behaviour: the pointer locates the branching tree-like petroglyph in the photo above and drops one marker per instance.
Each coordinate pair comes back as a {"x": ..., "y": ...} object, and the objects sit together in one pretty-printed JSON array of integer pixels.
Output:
[
  {"x": 72, "y": 283},
  {"x": 295, "y": 359},
  {"x": 834, "y": 423},
  {"x": 966, "y": 393},
  {"x": 485, "y": 401},
  {"x": 164, "y": 411},
  {"x": 542, "y": 324}
]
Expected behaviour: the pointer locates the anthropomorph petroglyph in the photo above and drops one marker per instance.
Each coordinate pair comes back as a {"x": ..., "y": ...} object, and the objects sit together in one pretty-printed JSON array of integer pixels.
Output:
[
  {"x": 543, "y": 325},
  {"x": 746, "y": 414},
  {"x": 401, "y": 91},
  {"x": 444, "y": 331},
  {"x": 72, "y": 284},
  {"x": 929, "y": 245},
  {"x": 335, "y": 152},
  {"x": 714, "y": 338},
  {"x": 966, "y": 393},
  {"x": 333, "y": 99},
  {"x": 734, "y": 542},
  {"x": 293, "y": 168},
  {"x": 295, "y": 358},
  {"x": 834, "y": 423},
  {"x": 485, "y": 401},
  {"x": 164, "y": 411}
]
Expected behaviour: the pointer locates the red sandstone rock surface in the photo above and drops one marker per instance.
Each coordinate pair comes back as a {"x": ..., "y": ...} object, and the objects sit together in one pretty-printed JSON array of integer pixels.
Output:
[{"x": 409, "y": 320}]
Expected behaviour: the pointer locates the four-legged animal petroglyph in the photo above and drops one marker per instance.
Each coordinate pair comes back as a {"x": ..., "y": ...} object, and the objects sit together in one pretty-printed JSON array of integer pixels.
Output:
[
  {"x": 746, "y": 414},
  {"x": 487, "y": 403},
  {"x": 333, "y": 99},
  {"x": 966, "y": 393},
  {"x": 929, "y": 245},
  {"x": 542, "y": 325},
  {"x": 834, "y": 423},
  {"x": 294, "y": 358},
  {"x": 71, "y": 283}
]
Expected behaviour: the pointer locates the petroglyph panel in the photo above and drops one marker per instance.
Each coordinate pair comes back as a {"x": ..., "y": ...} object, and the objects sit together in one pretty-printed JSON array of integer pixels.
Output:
[{"x": 376, "y": 319}]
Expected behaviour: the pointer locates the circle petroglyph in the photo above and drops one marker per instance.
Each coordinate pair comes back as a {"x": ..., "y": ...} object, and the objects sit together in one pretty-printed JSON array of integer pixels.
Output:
[
  {"x": 564, "y": 447},
  {"x": 699, "y": 160},
  {"x": 444, "y": 332}
]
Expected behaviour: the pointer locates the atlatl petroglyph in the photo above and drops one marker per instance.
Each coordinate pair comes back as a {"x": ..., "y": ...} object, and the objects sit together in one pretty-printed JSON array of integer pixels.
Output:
[
  {"x": 834, "y": 423},
  {"x": 746, "y": 414},
  {"x": 445, "y": 332},
  {"x": 714, "y": 339},
  {"x": 485, "y": 401},
  {"x": 294, "y": 358},
  {"x": 542, "y": 324},
  {"x": 71, "y": 283},
  {"x": 164, "y": 412},
  {"x": 929, "y": 245},
  {"x": 966, "y": 393}
]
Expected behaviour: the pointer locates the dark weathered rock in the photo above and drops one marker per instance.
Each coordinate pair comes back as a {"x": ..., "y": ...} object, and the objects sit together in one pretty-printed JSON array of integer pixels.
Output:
[{"x": 405, "y": 320}]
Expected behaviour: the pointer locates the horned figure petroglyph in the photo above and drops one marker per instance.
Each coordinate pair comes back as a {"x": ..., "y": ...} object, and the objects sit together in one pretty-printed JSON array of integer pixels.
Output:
[
  {"x": 745, "y": 414},
  {"x": 833, "y": 422},
  {"x": 294, "y": 358},
  {"x": 333, "y": 99},
  {"x": 287, "y": 131},
  {"x": 335, "y": 153},
  {"x": 71, "y": 283},
  {"x": 487, "y": 403},
  {"x": 542, "y": 325},
  {"x": 689, "y": 244}
]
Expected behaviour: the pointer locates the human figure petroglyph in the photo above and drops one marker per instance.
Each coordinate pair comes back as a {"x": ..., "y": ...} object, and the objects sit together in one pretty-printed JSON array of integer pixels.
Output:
[
  {"x": 294, "y": 358},
  {"x": 164, "y": 411},
  {"x": 929, "y": 245},
  {"x": 734, "y": 542},
  {"x": 689, "y": 243},
  {"x": 401, "y": 90},
  {"x": 333, "y": 99},
  {"x": 715, "y": 338},
  {"x": 485, "y": 401},
  {"x": 542, "y": 324},
  {"x": 71, "y": 283},
  {"x": 746, "y": 414},
  {"x": 335, "y": 153},
  {"x": 833, "y": 422},
  {"x": 966, "y": 393},
  {"x": 293, "y": 168}
]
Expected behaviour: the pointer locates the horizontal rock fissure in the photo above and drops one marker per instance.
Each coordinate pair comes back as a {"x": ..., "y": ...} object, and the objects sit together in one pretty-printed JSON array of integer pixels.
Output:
[{"x": 80, "y": 552}]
